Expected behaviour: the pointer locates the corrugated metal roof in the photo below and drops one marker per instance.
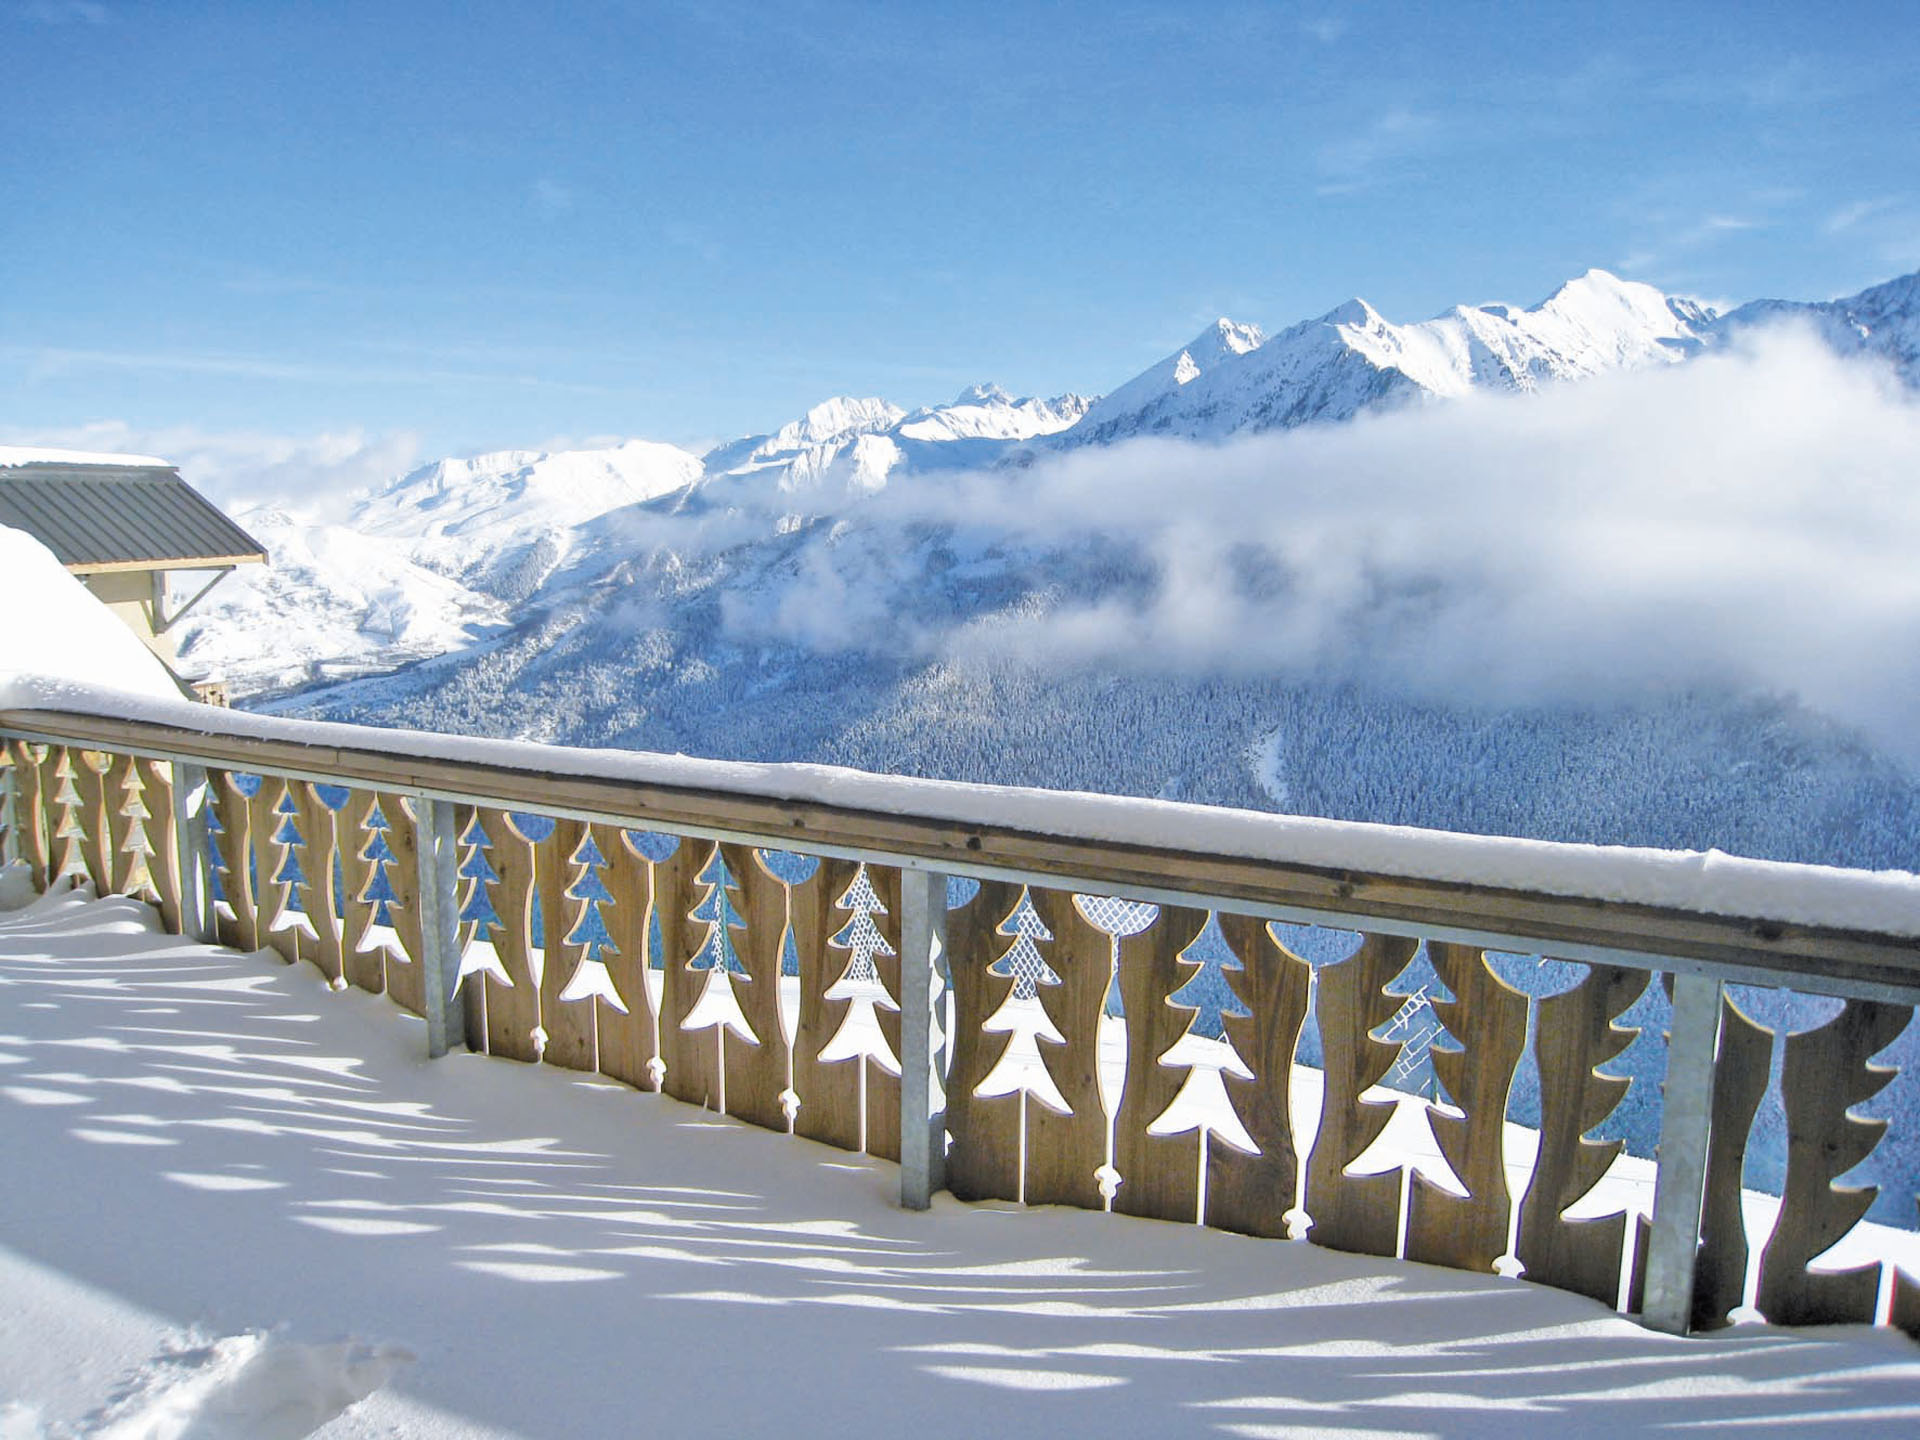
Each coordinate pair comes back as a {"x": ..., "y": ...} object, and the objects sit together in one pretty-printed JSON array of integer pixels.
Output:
[{"x": 95, "y": 515}]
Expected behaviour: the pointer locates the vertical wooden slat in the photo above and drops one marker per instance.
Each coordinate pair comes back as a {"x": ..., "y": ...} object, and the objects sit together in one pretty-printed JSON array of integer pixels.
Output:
[
  {"x": 513, "y": 1009},
  {"x": 569, "y": 1023},
  {"x": 30, "y": 808},
  {"x": 984, "y": 1161},
  {"x": 626, "y": 1041},
  {"x": 1066, "y": 1152},
  {"x": 1905, "y": 1313},
  {"x": 1252, "y": 1193},
  {"x": 1740, "y": 1076},
  {"x": 1360, "y": 1213},
  {"x": 1577, "y": 1032},
  {"x": 240, "y": 928},
  {"x": 757, "y": 1070},
  {"x": 688, "y": 1055},
  {"x": 157, "y": 780},
  {"x": 883, "y": 1085},
  {"x": 272, "y": 895},
  {"x": 830, "y": 1092},
  {"x": 473, "y": 988},
  {"x": 1488, "y": 1018},
  {"x": 406, "y": 985},
  {"x": 365, "y": 967},
  {"x": 123, "y": 863},
  {"x": 319, "y": 899},
  {"x": 1159, "y": 1174},
  {"x": 97, "y": 846},
  {"x": 1824, "y": 1074}
]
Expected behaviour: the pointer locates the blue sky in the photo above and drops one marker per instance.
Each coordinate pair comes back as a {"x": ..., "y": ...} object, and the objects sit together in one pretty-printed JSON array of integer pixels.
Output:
[{"x": 481, "y": 225}]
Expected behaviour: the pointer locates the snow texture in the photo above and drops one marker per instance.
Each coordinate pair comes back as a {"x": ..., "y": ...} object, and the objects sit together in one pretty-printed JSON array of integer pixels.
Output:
[
  {"x": 55, "y": 625},
  {"x": 239, "y": 1204}
]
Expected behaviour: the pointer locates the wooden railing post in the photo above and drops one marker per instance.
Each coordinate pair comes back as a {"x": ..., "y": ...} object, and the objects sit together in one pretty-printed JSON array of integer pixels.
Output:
[
  {"x": 923, "y": 923},
  {"x": 1686, "y": 1110},
  {"x": 10, "y": 815},
  {"x": 439, "y": 957},
  {"x": 192, "y": 848}
]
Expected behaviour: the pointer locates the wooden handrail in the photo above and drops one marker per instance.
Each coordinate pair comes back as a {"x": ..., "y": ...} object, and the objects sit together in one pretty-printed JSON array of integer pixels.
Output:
[{"x": 1755, "y": 946}]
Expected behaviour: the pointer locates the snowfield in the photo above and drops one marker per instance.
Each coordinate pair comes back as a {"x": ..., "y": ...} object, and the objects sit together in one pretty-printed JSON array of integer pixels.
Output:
[{"x": 240, "y": 1204}]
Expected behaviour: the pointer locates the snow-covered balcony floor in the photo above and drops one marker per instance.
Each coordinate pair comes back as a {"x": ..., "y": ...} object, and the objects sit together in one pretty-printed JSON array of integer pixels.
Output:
[{"x": 216, "y": 1172}]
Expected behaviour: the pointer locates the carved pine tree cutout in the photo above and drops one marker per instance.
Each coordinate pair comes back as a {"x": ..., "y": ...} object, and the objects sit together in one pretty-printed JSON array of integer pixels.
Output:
[
  {"x": 1252, "y": 1193},
  {"x": 319, "y": 888},
  {"x": 984, "y": 1161},
  {"x": 1824, "y": 1074},
  {"x": 1067, "y": 1148},
  {"x": 512, "y": 999},
  {"x": 69, "y": 829},
  {"x": 127, "y": 817},
  {"x": 163, "y": 865},
  {"x": 280, "y": 862},
  {"x": 757, "y": 1070},
  {"x": 230, "y": 819},
  {"x": 1159, "y": 1174},
  {"x": 1577, "y": 1032},
  {"x": 362, "y": 961},
  {"x": 828, "y": 1091},
  {"x": 1488, "y": 1021},
  {"x": 1360, "y": 1213},
  {"x": 629, "y": 1033},
  {"x": 88, "y": 769}
]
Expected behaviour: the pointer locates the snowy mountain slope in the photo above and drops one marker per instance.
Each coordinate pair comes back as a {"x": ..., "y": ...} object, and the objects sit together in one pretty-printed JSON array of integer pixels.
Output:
[
  {"x": 852, "y": 447},
  {"x": 1352, "y": 359},
  {"x": 1883, "y": 320},
  {"x": 331, "y": 602}
]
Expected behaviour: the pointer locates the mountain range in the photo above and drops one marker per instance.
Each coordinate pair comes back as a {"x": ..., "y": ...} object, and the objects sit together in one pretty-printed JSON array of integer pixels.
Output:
[{"x": 740, "y": 602}]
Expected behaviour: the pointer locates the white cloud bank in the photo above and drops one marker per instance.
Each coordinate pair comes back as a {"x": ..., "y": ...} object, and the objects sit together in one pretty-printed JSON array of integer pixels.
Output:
[
  {"x": 1749, "y": 519},
  {"x": 234, "y": 468}
]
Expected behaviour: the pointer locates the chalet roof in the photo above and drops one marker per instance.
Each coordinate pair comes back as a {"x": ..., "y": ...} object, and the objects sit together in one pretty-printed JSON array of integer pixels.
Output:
[{"x": 124, "y": 515}]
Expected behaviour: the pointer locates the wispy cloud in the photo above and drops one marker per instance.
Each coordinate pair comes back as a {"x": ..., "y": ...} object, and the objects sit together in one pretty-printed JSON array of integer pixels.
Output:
[
  {"x": 236, "y": 467},
  {"x": 1364, "y": 159},
  {"x": 63, "y": 12},
  {"x": 45, "y": 364},
  {"x": 1746, "y": 520}
]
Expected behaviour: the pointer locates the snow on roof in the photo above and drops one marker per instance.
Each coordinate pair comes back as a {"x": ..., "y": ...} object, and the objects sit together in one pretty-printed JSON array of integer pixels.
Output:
[
  {"x": 44, "y": 455},
  {"x": 56, "y": 626}
]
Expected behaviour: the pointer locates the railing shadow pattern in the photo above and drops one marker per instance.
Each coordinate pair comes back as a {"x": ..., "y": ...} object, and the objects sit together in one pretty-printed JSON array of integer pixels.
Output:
[{"x": 768, "y": 986}]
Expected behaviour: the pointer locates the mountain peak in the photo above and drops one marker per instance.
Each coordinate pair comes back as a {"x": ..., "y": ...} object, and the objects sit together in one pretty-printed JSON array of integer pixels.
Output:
[
  {"x": 985, "y": 393},
  {"x": 1224, "y": 338},
  {"x": 1354, "y": 312}
]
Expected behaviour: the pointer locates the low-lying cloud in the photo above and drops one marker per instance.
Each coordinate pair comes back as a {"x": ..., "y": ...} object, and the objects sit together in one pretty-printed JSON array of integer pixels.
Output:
[{"x": 1750, "y": 519}]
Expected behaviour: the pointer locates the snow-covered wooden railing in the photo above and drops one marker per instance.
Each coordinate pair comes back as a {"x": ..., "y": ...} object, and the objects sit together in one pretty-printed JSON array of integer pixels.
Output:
[{"x": 640, "y": 916}]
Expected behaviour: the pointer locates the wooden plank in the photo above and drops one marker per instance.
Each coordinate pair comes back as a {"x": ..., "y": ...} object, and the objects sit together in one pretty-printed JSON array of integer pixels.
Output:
[
  {"x": 30, "y": 811},
  {"x": 473, "y": 987},
  {"x": 1159, "y": 1174},
  {"x": 569, "y": 1023},
  {"x": 1252, "y": 1193},
  {"x": 1824, "y": 1074},
  {"x": 1740, "y": 1075},
  {"x": 829, "y": 1092},
  {"x": 1359, "y": 1213},
  {"x": 984, "y": 1160},
  {"x": 1413, "y": 905},
  {"x": 124, "y": 864},
  {"x": 65, "y": 858},
  {"x": 241, "y": 927},
  {"x": 627, "y": 1039},
  {"x": 1905, "y": 1313},
  {"x": 319, "y": 897},
  {"x": 365, "y": 969},
  {"x": 691, "y": 1073},
  {"x": 97, "y": 846},
  {"x": 163, "y": 860},
  {"x": 757, "y": 1071},
  {"x": 883, "y": 1085},
  {"x": 1488, "y": 1019},
  {"x": 406, "y": 986},
  {"x": 1577, "y": 1032},
  {"x": 269, "y": 854},
  {"x": 513, "y": 1009},
  {"x": 1066, "y": 1152}
]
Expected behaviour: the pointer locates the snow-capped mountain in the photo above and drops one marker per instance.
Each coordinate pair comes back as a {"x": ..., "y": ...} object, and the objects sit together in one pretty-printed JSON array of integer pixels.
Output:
[
  {"x": 848, "y": 446},
  {"x": 1883, "y": 320},
  {"x": 1231, "y": 380}
]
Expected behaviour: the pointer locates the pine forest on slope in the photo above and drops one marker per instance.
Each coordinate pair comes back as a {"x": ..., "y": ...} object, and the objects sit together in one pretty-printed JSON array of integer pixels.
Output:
[{"x": 912, "y": 593}]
